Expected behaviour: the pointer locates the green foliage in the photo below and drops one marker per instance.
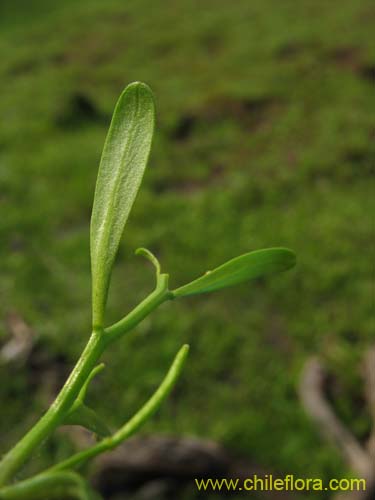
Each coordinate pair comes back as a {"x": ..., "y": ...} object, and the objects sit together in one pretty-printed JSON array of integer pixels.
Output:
[
  {"x": 64, "y": 484},
  {"x": 81, "y": 414},
  {"x": 121, "y": 169},
  {"x": 123, "y": 162},
  {"x": 243, "y": 268},
  {"x": 275, "y": 103}
]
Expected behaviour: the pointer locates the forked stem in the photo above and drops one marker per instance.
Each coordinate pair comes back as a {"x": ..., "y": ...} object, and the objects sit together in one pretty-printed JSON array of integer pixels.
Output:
[
  {"x": 96, "y": 345},
  {"x": 128, "y": 429},
  {"x": 60, "y": 479}
]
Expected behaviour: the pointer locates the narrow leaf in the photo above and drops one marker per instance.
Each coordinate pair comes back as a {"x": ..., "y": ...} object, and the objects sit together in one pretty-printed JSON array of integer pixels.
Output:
[
  {"x": 86, "y": 417},
  {"x": 243, "y": 268},
  {"x": 130, "y": 427},
  {"x": 82, "y": 393},
  {"x": 122, "y": 165},
  {"x": 83, "y": 415}
]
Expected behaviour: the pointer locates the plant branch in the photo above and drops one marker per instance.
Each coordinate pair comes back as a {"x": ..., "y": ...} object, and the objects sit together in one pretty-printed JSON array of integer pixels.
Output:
[
  {"x": 96, "y": 345},
  {"x": 17, "y": 456},
  {"x": 52, "y": 485},
  {"x": 157, "y": 297},
  {"x": 147, "y": 410}
]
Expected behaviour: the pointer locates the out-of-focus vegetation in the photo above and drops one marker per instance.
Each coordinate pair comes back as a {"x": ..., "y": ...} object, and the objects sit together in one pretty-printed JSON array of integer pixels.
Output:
[{"x": 263, "y": 139}]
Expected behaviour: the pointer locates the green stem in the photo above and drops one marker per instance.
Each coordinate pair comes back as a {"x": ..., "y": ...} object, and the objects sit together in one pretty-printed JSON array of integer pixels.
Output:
[
  {"x": 56, "y": 485},
  {"x": 157, "y": 297},
  {"x": 97, "y": 343},
  {"x": 17, "y": 456},
  {"x": 147, "y": 410}
]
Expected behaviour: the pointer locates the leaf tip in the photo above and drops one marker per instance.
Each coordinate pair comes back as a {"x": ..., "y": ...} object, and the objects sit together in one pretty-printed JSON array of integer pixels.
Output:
[
  {"x": 144, "y": 252},
  {"x": 139, "y": 88},
  {"x": 290, "y": 259},
  {"x": 185, "y": 348}
]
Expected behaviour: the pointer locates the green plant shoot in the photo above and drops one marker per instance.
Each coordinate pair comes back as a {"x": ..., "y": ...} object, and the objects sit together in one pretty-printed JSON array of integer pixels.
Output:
[{"x": 125, "y": 155}]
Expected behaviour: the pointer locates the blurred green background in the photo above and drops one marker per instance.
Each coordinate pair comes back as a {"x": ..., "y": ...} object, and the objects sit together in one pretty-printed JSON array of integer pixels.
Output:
[{"x": 262, "y": 139}]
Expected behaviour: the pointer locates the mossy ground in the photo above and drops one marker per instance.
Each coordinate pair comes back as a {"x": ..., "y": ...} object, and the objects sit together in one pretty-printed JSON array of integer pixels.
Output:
[{"x": 263, "y": 139}]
